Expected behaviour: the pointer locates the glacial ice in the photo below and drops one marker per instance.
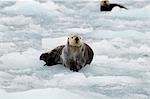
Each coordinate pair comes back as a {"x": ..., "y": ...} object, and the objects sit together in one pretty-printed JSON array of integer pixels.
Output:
[{"x": 120, "y": 40}]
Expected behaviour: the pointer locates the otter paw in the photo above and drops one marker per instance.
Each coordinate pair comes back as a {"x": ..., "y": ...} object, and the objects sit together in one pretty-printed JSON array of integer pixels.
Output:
[{"x": 74, "y": 69}]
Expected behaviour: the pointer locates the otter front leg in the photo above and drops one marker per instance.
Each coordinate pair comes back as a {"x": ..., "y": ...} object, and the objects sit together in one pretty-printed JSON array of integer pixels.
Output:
[
  {"x": 79, "y": 63},
  {"x": 72, "y": 65},
  {"x": 76, "y": 66}
]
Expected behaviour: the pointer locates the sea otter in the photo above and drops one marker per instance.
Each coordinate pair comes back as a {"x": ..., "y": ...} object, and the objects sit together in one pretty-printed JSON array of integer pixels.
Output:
[
  {"x": 106, "y": 6},
  {"x": 74, "y": 55}
]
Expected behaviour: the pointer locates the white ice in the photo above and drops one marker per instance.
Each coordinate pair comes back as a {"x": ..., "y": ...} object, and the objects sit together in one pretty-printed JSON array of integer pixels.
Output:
[{"x": 120, "y": 40}]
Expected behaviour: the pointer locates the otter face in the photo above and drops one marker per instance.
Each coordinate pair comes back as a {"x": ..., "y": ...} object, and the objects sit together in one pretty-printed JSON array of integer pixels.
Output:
[
  {"x": 75, "y": 40},
  {"x": 105, "y": 2}
]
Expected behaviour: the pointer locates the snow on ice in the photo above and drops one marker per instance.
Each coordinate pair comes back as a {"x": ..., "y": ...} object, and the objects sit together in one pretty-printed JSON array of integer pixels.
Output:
[{"x": 120, "y": 40}]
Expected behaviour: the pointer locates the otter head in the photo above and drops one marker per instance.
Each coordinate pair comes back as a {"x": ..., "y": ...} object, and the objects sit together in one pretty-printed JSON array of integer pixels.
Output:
[
  {"x": 104, "y": 2},
  {"x": 75, "y": 41}
]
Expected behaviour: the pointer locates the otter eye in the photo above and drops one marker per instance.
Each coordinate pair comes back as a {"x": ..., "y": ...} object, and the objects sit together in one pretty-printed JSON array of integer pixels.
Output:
[
  {"x": 68, "y": 38},
  {"x": 72, "y": 37}
]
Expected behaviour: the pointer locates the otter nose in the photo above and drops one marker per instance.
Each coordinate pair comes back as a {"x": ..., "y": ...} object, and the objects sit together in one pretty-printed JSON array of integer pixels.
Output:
[{"x": 77, "y": 39}]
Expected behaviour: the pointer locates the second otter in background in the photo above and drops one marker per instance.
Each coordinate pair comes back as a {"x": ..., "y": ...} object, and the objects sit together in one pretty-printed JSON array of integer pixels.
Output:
[{"x": 106, "y": 6}]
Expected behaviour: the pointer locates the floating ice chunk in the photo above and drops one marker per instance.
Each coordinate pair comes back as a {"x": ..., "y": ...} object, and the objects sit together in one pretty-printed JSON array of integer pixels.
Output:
[
  {"x": 5, "y": 75},
  {"x": 24, "y": 25},
  {"x": 6, "y": 3},
  {"x": 141, "y": 49},
  {"x": 72, "y": 79},
  {"x": 117, "y": 9},
  {"x": 50, "y": 43},
  {"x": 53, "y": 93},
  {"x": 104, "y": 47},
  {"x": 41, "y": 1},
  {"x": 13, "y": 21},
  {"x": 134, "y": 13},
  {"x": 79, "y": 30},
  {"x": 20, "y": 60},
  {"x": 3, "y": 28},
  {"x": 127, "y": 34},
  {"x": 7, "y": 47},
  {"x": 31, "y": 7},
  {"x": 108, "y": 80}
]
